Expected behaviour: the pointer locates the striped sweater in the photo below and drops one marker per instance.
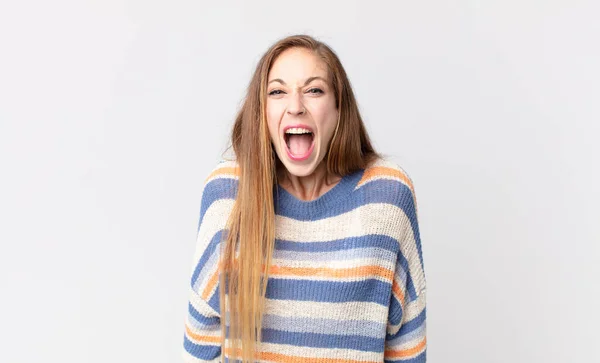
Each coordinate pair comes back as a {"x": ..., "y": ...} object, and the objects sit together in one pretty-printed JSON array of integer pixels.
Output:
[{"x": 346, "y": 284}]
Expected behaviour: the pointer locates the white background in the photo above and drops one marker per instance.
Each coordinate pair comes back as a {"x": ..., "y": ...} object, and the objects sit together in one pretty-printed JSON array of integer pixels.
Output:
[{"x": 112, "y": 113}]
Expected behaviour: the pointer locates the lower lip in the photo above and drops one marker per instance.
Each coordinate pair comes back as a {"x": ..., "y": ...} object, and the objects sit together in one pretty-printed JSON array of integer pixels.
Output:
[{"x": 299, "y": 157}]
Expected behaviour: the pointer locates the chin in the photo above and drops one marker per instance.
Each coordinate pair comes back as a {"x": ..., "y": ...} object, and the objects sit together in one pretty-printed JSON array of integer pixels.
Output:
[{"x": 299, "y": 169}]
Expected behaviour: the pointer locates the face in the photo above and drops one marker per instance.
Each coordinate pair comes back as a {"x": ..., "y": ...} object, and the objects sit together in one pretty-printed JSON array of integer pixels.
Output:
[{"x": 301, "y": 110}]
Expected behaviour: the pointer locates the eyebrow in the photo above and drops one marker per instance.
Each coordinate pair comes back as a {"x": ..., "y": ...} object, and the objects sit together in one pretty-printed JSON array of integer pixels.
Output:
[{"x": 310, "y": 79}]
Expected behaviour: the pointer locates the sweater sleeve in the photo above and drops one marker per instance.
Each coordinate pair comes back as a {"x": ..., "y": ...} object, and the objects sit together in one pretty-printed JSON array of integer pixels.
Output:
[
  {"x": 202, "y": 320},
  {"x": 406, "y": 325}
]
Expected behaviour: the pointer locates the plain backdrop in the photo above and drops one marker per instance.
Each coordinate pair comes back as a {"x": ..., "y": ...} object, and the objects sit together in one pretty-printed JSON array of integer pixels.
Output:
[{"x": 112, "y": 113}]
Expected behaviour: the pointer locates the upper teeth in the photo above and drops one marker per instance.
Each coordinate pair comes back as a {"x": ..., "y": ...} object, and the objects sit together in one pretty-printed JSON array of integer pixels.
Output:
[{"x": 298, "y": 130}]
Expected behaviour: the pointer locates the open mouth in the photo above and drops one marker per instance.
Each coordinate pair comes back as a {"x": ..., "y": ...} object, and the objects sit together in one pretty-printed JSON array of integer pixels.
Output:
[{"x": 299, "y": 142}]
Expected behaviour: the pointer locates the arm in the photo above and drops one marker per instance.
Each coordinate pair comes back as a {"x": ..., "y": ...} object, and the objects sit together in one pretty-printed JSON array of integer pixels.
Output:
[
  {"x": 406, "y": 326},
  {"x": 202, "y": 331},
  {"x": 202, "y": 322}
]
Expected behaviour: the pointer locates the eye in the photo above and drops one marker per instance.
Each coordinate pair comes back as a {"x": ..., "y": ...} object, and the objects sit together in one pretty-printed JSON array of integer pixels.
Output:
[
  {"x": 316, "y": 90},
  {"x": 275, "y": 92}
]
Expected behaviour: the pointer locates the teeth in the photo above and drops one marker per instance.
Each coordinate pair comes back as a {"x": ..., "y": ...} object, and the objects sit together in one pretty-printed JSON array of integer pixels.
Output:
[{"x": 298, "y": 130}]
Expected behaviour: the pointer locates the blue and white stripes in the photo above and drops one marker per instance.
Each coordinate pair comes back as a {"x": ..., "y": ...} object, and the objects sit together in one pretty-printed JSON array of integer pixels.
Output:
[{"x": 346, "y": 283}]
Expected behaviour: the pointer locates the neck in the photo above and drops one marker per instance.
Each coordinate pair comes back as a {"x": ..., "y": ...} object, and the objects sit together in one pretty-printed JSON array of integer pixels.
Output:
[{"x": 307, "y": 187}]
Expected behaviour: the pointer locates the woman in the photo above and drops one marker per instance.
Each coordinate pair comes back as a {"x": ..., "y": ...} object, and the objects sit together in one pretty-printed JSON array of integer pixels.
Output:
[{"x": 308, "y": 206}]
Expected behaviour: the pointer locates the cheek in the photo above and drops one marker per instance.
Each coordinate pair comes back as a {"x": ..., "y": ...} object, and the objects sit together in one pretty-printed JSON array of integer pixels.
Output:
[
  {"x": 273, "y": 117},
  {"x": 326, "y": 119}
]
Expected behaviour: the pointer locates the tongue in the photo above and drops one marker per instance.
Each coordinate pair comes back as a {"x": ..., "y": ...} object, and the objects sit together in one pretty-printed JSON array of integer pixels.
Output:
[{"x": 299, "y": 144}]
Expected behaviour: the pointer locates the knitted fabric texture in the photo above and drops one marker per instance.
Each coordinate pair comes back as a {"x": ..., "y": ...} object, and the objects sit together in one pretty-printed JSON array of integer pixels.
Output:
[{"x": 347, "y": 281}]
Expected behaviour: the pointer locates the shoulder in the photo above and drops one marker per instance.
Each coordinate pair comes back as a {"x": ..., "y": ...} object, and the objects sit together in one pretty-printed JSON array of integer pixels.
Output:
[
  {"x": 223, "y": 169},
  {"x": 387, "y": 176},
  {"x": 222, "y": 178},
  {"x": 220, "y": 184}
]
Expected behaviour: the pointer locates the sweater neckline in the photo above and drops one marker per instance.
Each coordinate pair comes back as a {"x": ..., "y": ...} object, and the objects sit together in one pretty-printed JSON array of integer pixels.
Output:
[{"x": 287, "y": 202}]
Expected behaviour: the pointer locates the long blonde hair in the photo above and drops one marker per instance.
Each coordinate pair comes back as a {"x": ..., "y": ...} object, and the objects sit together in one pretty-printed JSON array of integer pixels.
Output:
[{"x": 246, "y": 253}]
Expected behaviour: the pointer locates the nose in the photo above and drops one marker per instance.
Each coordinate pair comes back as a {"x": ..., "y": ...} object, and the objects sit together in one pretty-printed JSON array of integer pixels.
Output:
[{"x": 295, "y": 106}]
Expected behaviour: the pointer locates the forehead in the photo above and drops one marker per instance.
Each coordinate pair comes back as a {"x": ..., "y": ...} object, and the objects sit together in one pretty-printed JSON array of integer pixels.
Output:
[{"x": 297, "y": 64}]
